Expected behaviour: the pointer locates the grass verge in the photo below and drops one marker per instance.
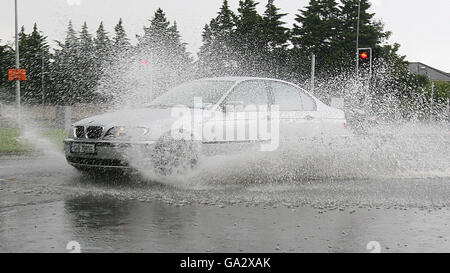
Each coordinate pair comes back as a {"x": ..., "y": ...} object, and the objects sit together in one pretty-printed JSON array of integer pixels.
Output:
[{"x": 10, "y": 141}]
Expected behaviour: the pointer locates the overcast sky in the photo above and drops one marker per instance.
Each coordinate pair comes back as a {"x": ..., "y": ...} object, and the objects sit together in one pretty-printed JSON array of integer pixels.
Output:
[{"x": 421, "y": 27}]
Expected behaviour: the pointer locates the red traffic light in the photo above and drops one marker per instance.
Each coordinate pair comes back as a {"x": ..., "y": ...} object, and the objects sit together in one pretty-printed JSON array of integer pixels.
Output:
[
  {"x": 144, "y": 63},
  {"x": 364, "y": 55}
]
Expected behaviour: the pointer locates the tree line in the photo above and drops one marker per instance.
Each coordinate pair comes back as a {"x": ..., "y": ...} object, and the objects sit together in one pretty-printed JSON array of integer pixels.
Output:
[{"x": 239, "y": 43}]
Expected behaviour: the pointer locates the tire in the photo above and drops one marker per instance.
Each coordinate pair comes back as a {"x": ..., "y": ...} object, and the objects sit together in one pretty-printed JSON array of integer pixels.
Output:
[{"x": 175, "y": 156}]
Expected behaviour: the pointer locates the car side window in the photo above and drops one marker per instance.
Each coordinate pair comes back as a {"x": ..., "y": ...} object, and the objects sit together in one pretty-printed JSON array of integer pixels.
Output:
[
  {"x": 249, "y": 93},
  {"x": 290, "y": 98}
]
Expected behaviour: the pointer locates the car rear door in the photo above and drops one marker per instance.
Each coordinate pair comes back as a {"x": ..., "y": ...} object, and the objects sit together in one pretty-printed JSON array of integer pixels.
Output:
[{"x": 298, "y": 113}]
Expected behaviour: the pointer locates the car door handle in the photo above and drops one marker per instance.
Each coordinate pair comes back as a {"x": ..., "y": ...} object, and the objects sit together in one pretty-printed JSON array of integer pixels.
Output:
[{"x": 309, "y": 117}]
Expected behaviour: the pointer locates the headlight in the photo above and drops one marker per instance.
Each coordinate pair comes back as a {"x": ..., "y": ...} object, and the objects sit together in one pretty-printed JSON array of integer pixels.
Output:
[{"x": 122, "y": 132}]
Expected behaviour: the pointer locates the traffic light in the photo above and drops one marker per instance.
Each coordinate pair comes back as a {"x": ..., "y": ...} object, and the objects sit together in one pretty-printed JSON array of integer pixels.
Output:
[
  {"x": 364, "y": 62},
  {"x": 364, "y": 55}
]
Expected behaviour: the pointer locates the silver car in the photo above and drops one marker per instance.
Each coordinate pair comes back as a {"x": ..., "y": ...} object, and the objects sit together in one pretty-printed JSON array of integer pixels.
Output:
[{"x": 236, "y": 113}]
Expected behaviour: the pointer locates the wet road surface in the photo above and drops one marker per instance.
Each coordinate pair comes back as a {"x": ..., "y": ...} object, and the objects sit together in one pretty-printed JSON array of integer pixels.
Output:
[{"x": 44, "y": 204}]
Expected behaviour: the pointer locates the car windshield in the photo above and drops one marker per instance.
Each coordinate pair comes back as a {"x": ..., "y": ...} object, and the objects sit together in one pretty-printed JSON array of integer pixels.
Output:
[{"x": 210, "y": 91}]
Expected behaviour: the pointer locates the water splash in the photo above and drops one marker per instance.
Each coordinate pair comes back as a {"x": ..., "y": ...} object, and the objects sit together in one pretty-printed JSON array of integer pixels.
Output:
[
  {"x": 403, "y": 150},
  {"x": 33, "y": 133},
  {"x": 402, "y": 141}
]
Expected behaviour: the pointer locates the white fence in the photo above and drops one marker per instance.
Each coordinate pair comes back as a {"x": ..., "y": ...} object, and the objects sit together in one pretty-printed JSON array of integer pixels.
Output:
[{"x": 60, "y": 117}]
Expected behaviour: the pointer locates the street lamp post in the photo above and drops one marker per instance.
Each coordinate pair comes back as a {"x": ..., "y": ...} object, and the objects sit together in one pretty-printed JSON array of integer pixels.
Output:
[
  {"x": 150, "y": 96},
  {"x": 42, "y": 77},
  {"x": 17, "y": 62},
  {"x": 313, "y": 71}
]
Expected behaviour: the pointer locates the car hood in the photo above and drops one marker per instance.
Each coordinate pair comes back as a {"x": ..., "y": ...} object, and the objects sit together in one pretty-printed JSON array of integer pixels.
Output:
[
  {"x": 158, "y": 120},
  {"x": 132, "y": 117}
]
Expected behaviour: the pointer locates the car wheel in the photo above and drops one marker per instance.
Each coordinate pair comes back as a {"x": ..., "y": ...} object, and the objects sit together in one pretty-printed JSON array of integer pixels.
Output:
[{"x": 172, "y": 156}]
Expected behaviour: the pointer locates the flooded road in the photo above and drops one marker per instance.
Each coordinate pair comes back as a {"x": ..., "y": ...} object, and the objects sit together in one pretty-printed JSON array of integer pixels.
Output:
[{"x": 44, "y": 204}]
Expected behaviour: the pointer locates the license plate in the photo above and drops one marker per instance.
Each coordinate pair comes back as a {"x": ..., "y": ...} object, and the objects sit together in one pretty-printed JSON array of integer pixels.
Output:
[{"x": 82, "y": 148}]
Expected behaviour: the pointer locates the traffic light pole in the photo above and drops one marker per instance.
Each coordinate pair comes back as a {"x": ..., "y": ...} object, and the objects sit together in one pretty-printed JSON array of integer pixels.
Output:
[
  {"x": 357, "y": 39},
  {"x": 17, "y": 63},
  {"x": 313, "y": 71}
]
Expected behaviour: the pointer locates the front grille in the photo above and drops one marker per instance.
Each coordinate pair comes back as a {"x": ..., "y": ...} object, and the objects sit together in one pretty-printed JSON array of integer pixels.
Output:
[
  {"x": 94, "y": 131},
  {"x": 79, "y": 132},
  {"x": 98, "y": 162}
]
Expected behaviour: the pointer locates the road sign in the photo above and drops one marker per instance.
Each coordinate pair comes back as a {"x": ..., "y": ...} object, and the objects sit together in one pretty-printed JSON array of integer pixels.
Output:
[{"x": 17, "y": 74}]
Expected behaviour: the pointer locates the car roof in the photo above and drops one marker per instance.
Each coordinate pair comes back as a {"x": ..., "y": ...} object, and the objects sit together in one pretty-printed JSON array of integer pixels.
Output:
[{"x": 237, "y": 79}]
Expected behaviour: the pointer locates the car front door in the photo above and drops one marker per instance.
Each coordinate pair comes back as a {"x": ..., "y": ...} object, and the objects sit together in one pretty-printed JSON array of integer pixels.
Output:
[{"x": 246, "y": 112}]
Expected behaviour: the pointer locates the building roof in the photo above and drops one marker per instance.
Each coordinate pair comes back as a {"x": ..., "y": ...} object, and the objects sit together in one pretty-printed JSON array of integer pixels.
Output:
[{"x": 432, "y": 73}]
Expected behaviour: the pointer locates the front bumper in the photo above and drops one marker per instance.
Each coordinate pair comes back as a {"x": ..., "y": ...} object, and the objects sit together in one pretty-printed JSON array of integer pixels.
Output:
[{"x": 108, "y": 154}]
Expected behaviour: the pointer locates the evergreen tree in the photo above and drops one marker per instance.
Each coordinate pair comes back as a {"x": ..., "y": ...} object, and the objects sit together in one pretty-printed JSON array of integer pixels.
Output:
[
  {"x": 390, "y": 72},
  {"x": 329, "y": 31},
  {"x": 275, "y": 38},
  {"x": 103, "y": 53},
  {"x": 371, "y": 32},
  {"x": 177, "y": 50},
  {"x": 156, "y": 35},
  {"x": 162, "y": 45},
  {"x": 102, "y": 44},
  {"x": 248, "y": 38},
  {"x": 275, "y": 35},
  {"x": 75, "y": 67},
  {"x": 315, "y": 32},
  {"x": 86, "y": 42},
  {"x": 66, "y": 67},
  {"x": 87, "y": 67},
  {"x": 316, "y": 25},
  {"x": 216, "y": 53},
  {"x": 6, "y": 62},
  {"x": 34, "y": 57},
  {"x": 121, "y": 42}
]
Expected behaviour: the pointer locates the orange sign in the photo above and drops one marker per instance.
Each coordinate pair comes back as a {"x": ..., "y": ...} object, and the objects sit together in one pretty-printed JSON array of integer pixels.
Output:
[{"x": 17, "y": 74}]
